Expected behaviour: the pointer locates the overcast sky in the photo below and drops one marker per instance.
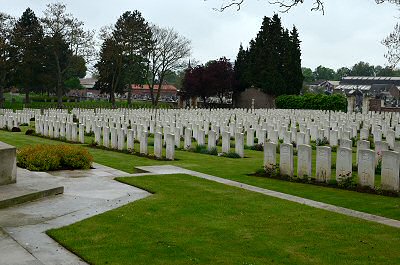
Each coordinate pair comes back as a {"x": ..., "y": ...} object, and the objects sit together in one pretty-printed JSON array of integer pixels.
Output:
[{"x": 349, "y": 32}]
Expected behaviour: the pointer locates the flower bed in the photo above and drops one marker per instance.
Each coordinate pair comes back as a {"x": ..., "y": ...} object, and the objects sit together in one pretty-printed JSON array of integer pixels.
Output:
[{"x": 53, "y": 157}]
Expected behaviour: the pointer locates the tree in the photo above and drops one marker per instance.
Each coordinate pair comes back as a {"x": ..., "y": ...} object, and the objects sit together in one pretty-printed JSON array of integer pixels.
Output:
[
  {"x": 342, "y": 72},
  {"x": 324, "y": 73},
  {"x": 168, "y": 53},
  {"x": 27, "y": 53},
  {"x": 308, "y": 75},
  {"x": 66, "y": 39},
  {"x": 194, "y": 84},
  {"x": 110, "y": 68},
  {"x": 218, "y": 76},
  {"x": 133, "y": 33},
  {"x": 362, "y": 69},
  {"x": 272, "y": 62},
  {"x": 6, "y": 24}
]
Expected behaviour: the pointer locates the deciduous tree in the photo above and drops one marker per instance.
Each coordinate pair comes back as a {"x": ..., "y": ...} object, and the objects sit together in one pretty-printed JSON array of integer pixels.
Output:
[{"x": 169, "y": 53}]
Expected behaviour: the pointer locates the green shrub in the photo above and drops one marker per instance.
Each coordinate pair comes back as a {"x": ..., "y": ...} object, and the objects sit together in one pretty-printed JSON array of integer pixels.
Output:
[
  {"x": 30, "y": 132},
  {"x": 53, "y": 157},
  {"x": 231, "y": 155},
  {"x": 312, "y": 101}
]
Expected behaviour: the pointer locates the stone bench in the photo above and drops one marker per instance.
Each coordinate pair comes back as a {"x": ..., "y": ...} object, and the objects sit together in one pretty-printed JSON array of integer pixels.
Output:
[{"x": 8, "y": 164}]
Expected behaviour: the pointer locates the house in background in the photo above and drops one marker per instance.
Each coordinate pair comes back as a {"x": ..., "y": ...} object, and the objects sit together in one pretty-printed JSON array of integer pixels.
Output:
[
  {"x": 167, "y": 93},
  {"x": 365, "y": 91},
  {"x": 323, "y": 86}
]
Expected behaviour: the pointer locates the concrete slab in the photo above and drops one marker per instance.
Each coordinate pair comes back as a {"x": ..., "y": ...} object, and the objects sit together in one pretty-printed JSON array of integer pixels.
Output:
[
  {"x": 92, "y": 193},
  {"x": 30, "y": 186}
]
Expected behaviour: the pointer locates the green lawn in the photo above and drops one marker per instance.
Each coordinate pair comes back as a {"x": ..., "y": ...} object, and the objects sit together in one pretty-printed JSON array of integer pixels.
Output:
[
  {"x": 238, "y": 170},
  {"x": 194, "y": 221}
]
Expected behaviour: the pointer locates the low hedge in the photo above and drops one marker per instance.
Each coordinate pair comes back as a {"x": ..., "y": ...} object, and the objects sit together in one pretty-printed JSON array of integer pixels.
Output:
[
  {"x": 54, "y": 157},
  {"x": 312, "y": 101}
]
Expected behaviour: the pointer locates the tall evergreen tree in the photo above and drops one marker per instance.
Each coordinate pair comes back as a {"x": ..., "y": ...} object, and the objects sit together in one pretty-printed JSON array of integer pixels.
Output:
[
  {"x": 27, "y": 53},
  {"x": 296, "y": 75},
  {"x": 133, "y": 33},
  {"x": 6, "y": 24},
  {"x": 272, "y": 62}
]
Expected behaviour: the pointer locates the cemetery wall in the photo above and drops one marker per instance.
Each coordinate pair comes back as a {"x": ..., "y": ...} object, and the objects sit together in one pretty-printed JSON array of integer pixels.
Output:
[{"x": 261, "y": 100}]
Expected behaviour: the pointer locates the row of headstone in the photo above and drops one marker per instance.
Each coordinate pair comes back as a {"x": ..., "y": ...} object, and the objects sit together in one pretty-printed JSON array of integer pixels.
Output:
[{"x": 366, "y": 163}]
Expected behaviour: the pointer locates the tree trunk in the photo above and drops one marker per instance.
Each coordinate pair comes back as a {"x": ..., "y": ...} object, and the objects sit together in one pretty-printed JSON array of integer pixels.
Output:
[
  {"x": 130, "y": 96},
  {"x": 159, "y": 90},
  {"x": 27, "y": 97},
  {"x": 1, "y": 97},
  {"x": 59, "y": 91},
  {"x": 112, "y": 98}
]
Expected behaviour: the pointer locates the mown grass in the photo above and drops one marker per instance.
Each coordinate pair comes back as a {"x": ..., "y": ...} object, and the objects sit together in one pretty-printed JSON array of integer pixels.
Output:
[
  {"x": 238, "y": 170},
  {"x": 195, "y": 221}
]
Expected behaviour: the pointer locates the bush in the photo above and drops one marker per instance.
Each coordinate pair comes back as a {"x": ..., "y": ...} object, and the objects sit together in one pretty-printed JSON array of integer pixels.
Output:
[
  {"x": 312, "y": 101},
  {"x": 30, "y": 132},
  {"x": 15, "y": 129},
  {"x": 53, "y": 157},
  {"x": 231, "y": 155}
]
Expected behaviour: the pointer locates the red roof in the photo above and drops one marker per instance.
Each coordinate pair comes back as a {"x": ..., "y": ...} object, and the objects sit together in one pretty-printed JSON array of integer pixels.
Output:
[{"x": 147, "y": 87}]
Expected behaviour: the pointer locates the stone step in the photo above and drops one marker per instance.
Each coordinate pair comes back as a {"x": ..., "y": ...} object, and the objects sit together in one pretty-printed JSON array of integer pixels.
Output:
[{"x": 15, "y": 196}]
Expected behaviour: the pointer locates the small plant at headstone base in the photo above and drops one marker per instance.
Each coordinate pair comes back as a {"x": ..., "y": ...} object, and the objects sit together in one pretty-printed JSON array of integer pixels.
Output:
[
  {"x": 30, "y": 132},
  {"x": 378, "y": 167},
  {"x": 230, "y": 155},
  {"x": 257, "y": 147},
  {"x": 322, "y": 142},
  {"x": 295, "y": 152},
  {"x": 15, "y": 129},
  {"x": 294, "y": 144},
  {"x": 89, "y": 134},
  {"x": 280, "y": 141},
  {"x": 93, "y": 143},
  {"x": 354, "y": 141},
  {"x": 272, "y": 170},
  {"x": 213, "y": 151},
  {"x": 334, "y": 149},
  {"x": 346, "y": 181},
  {"x": 372, "y": 142}
]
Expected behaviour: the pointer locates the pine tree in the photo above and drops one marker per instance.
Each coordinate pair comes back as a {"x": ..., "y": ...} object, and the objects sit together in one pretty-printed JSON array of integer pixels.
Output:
[
  {"x": 27, "y": 53},
  {"x": 272, "y": 61},
  {"x": 297, "y": 77}
]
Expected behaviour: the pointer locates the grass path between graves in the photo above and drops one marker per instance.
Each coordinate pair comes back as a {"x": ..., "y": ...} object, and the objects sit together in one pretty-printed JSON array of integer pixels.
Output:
[
  {"x": 195, "y": 221},
  {"x": 238, "y": 170}
]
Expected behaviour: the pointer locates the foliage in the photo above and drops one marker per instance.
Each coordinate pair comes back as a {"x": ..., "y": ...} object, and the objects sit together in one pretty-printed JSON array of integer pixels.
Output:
[
  {"x": 322, "y": 142},
  {"x": 202, "y": 149},
  {"x": 15, "y": 129},
  {"x": 312, "y": 101},
  {"x": 30, "y": 132},
  {"x": 216, "y": 78},
  {"x": 27, "y": 53},
  {"x": 168, "y": 53},
  {"x": 53, "y": 157},
  {"x": 231, "y": 155},
  {"x": 272, "y": 61}
]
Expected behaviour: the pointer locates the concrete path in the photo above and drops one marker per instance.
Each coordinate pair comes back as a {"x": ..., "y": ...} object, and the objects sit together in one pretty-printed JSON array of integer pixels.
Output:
[
  {"x": 86, "y": 193},
  {"x": 159, "y": 170}
]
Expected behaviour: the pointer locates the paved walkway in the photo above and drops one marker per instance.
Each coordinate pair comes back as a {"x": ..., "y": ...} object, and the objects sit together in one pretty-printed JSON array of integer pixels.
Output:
[
  {"x": 86, "y": 193},
  {"x": 90, "y": 192},
  {"x": 159, "y": 170}
]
